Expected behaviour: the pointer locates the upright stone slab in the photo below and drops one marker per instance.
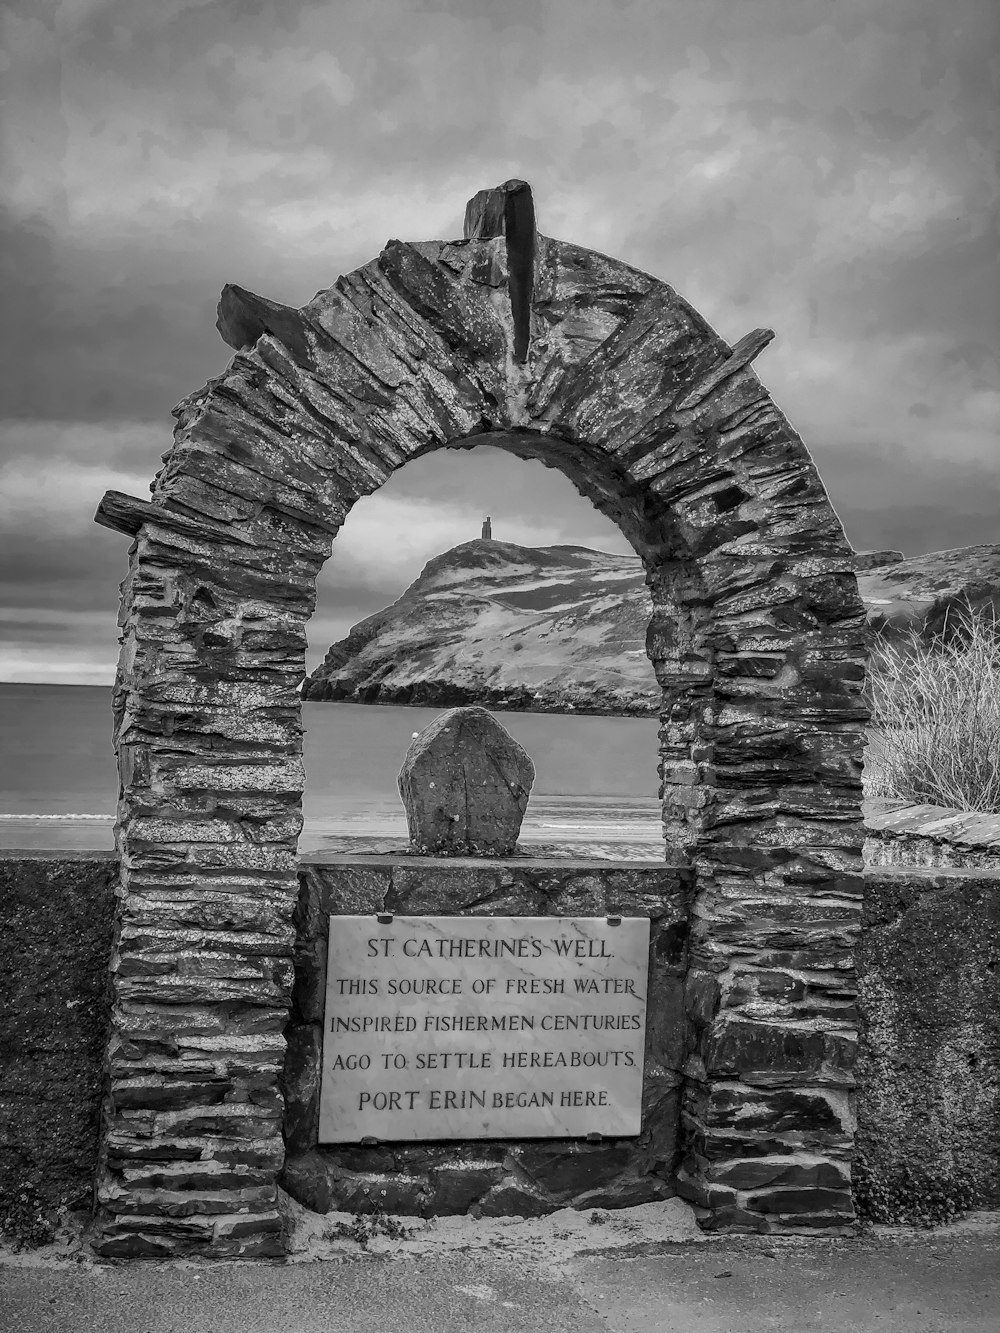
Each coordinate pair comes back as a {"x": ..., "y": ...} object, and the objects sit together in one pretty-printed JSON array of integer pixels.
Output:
[{"x": 465, "y": 783}]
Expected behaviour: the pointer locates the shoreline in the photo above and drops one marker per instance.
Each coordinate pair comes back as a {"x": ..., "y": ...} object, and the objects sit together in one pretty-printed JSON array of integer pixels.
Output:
[{"x": 581, "y": 820}]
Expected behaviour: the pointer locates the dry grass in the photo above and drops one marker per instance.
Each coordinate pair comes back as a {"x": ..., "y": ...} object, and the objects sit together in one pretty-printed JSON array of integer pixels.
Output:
[{"x": 936, "y": 715}]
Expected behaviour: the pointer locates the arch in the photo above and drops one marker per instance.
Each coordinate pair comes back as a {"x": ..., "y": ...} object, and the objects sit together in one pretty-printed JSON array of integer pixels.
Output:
[{"x": 756, "y": 636}]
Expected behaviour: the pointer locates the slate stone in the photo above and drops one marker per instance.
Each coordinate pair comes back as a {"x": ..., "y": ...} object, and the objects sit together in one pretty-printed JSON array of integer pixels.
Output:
[
  {"x": 732, "y": 1218},
  {"x": 753, "y": 1175},
  {"x": 300, "y": 1085},
  {"x": 315, "y": 1180},
  {"x": 627, "y": 1192},
  {"x": 465, "y": 784},
  {"x": 202, "y": 1176},
  {"x": 776, "y": 1111},
  {"x": 170, "y": 1095},
  {"x": 833, "y": 1222},
  {"x": 511, "y": 1198},
  {"x": 362, "y": 1159},
  {"x": 722, "y": 1147},
  {"x": 787, "y": 1201},
  {"x": 575, "y": 1168},
  {"x": 740, "y": 1047},
  {"x": 454, "y": 1189},
  {"x": 701, "y": 997},
  {"x": 133, "y": 1245},
  {"x": 308, "y": 1180},
  {"x": 244, "y": 316}
]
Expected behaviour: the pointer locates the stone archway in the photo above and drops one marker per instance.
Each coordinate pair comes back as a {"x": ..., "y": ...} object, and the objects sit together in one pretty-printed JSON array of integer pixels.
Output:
[{"x": 757, "y": 638}]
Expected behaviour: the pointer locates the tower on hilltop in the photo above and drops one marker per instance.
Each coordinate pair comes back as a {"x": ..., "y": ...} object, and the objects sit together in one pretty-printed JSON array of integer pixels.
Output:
[{"x": 487, "y": 529}]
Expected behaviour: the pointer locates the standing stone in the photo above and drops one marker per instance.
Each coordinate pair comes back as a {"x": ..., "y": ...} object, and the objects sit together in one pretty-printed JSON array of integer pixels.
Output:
[{"x": 465, "y": 784}]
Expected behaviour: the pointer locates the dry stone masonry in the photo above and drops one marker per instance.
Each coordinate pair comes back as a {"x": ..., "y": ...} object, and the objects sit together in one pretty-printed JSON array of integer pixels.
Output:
[
  {"x": 465, "y": 783},
  {"x": 563, "y": 355}
]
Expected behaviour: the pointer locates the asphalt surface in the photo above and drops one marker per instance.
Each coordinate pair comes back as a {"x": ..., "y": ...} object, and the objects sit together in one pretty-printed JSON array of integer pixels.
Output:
[{"x": 890, "y": 1281}]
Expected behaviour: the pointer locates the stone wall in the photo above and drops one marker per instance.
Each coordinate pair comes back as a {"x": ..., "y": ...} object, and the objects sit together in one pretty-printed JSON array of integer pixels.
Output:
[
  {"x": 929, "y": 1059},
  {"x": 495, "y": 1177},
  {"x": 55, "y": 945},
  {"x": 928, "y": 1094}
]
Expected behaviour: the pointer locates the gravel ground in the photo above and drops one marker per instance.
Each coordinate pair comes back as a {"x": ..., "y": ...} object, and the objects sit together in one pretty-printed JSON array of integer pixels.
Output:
[{"x": 640, "y": 1269}]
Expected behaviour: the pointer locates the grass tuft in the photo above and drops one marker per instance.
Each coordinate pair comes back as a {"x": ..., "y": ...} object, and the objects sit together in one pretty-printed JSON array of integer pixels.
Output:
[{"x": 936, "y": 714}]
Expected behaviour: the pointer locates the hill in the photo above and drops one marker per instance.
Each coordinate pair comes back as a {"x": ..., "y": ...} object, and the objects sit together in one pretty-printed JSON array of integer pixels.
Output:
[
  {"x": 549, "y": 629},
  {"x": 562, "y": 628},
  {"x": 926, "y": 592}
]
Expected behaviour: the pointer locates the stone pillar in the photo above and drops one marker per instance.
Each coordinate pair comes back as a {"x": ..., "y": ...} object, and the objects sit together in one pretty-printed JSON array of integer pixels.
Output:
[
  {"x": 677, "y": 644},
  {"x": 208, "y": 734},
  {"x": 771, "y": 995},
  {"x": 768, "y": 1116}
]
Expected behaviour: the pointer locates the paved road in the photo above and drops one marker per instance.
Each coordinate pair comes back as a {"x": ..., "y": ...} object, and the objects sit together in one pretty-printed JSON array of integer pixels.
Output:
[{"x": 945, "y": 1282}]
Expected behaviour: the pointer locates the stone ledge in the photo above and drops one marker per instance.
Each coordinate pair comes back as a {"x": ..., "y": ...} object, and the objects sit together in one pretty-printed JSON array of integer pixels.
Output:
[
  {"x": 930, "y": 836},
  {"x": 526, "y": 1179},
  {"x": 965, "y": 828}
]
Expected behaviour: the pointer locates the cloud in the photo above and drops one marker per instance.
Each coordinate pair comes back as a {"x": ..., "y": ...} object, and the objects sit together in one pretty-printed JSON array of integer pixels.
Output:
[
  {"x": 933, "y": 501},
  {"x": 388, "y": 534},
  {"x": 53, "y": 665},
  {"x": 59, "y": 572},
  {"x": 58, "y": 471},
  {"x": 825, "y": 169}
]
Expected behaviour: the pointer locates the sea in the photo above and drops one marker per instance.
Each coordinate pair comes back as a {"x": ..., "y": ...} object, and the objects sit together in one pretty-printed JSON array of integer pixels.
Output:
[{"x": 595, "y": 777}]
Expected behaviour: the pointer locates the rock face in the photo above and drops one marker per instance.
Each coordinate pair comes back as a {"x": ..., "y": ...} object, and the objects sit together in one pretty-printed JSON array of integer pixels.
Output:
[
  {"x": 866, "y": 560},
  {"x": 535, "y": 629},
  {"x": 465, "y": 784}
]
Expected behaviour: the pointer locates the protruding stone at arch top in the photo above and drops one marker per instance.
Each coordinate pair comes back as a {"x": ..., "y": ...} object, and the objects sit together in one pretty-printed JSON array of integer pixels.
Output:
[{"x": 757, "y": 637}]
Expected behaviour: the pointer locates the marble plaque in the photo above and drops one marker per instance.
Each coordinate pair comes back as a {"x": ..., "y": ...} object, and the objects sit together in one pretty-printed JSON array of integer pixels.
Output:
[{"x": 449, "y": 1027}]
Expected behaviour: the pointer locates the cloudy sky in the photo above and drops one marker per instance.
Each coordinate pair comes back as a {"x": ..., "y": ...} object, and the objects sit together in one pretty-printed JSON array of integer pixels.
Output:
[{"x": 823, "y": 167}]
